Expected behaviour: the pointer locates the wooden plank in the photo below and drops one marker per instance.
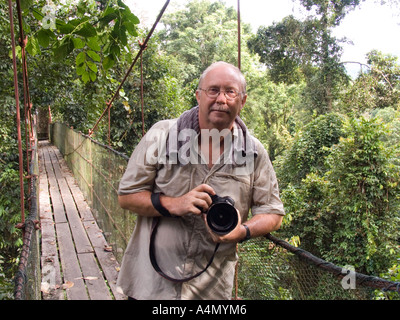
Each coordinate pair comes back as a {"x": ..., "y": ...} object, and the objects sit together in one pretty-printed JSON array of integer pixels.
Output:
[
  {"x": 93, "y": 277},
  {"x": 51, "y": 284},
  {"x": 73, "y": 277},
  {"x": 44, "y": 196},
  {"x": 81, "y": 240},
  {"x": 89, "y": 271},
  {"x": 106, "y": 259},
  {"x": 58, "y": 208},
  {"x": 50, "y": 266}
]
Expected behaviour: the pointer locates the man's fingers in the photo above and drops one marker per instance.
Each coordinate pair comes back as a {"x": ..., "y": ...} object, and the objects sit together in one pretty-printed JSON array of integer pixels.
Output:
[
  {"x": 202, "y": 205},
  {"x": 205, "y": 188},
  {"x": 196, "y": 201}
]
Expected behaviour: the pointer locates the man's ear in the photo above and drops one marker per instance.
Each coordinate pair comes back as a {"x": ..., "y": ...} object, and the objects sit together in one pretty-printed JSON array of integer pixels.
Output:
[
  {"x": 244, "y": 99},
  {"x": 198, "y": 94}
]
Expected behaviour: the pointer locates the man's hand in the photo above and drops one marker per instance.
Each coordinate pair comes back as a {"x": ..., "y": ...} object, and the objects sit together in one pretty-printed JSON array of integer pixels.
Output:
[
  {"x": 195, "y": 201},
  {"x": 259, "y": 225},
  {"x": 235, "y": 235}
]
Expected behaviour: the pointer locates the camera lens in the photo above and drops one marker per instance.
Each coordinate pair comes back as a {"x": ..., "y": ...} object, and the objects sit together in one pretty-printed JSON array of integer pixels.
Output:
[{"x": 222, "y": 218}]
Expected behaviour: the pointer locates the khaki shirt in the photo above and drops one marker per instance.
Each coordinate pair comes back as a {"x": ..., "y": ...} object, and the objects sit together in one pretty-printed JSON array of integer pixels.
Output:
[{"x": 183, "y": 245}]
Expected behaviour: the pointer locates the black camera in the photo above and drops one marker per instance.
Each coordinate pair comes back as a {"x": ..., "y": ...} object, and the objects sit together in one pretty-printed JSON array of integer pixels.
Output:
[{"x": 222, "y": 216}]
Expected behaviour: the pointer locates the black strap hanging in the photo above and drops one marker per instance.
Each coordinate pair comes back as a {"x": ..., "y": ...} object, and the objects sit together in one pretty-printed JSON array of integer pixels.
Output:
[{"x": 155, "y": 265}]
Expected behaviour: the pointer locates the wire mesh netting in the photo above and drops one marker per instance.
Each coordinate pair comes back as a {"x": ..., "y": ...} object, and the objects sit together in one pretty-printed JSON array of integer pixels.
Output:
[
  {"x": 268, "y": 269},
  {"x": 27, "y": 278},
  {"x": 98, "y": 170}
]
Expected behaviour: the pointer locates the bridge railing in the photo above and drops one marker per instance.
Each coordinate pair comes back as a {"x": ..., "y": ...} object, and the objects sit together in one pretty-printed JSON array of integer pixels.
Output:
[
  {"x": 97, "y": 170},
  {"x": 27, "y": 278},
  {"x": 267, "y": 269}
]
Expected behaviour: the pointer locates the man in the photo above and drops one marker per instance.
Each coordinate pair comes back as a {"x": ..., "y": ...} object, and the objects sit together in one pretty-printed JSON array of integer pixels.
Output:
[{"x": 169, "y": 181}]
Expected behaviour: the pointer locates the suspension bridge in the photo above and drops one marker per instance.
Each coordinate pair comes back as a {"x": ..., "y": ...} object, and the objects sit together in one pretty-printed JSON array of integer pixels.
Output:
[{"x": 75, "y": 232}]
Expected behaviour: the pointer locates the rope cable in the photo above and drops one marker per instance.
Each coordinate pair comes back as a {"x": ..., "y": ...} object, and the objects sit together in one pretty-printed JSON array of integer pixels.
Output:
[{"x": 142, "y": 48}]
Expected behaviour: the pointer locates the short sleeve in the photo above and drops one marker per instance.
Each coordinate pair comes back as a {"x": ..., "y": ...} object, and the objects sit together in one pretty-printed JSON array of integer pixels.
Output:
[
  {"x": 142, "y": 167},
  {"x": 266, "y": 197}
]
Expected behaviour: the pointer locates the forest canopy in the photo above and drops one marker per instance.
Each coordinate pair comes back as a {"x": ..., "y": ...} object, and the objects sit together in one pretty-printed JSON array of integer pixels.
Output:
[{"x": 334, "y": 140}]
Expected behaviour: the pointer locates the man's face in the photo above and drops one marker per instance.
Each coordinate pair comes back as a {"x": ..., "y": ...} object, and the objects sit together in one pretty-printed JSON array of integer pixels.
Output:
[{"x": 220, "y": 112}]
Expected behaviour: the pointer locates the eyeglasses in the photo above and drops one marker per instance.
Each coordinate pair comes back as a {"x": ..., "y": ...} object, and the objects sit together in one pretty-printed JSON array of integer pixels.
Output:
[{"x": 213, "y": 93}]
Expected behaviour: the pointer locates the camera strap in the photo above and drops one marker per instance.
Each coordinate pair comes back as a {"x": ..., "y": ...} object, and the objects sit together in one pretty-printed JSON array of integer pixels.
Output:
[{"x": 155, "y": 265}]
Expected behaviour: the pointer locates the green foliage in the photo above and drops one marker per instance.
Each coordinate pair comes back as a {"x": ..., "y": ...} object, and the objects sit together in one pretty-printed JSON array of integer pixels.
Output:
[
  {"x": 99, "y": 36},
  {"x": 349, "y": 214},
  {"x": 264, "y": 270},
  {"x": 378, "y": 87},
  {"x": 283, "y": 47},
  {"x": 270, "y": 112},
  {"x": 10, "y": 215},
  {"x": 212, "y": 24},
  {"x": 338, "y": 171},
  {"x": 367, "y": 183},
  {"x": 294, "y": 50},
  {"x": 163, "y": 99},
  {"x": 333, "y": 11},
  {"x": 309, "y": 149}
]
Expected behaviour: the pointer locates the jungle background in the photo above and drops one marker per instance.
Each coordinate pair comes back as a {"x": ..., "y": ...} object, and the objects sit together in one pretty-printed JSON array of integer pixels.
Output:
[{"x": 334, "y": 139}]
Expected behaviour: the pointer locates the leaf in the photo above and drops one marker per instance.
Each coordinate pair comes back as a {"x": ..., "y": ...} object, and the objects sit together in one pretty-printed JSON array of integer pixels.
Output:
[
  {"x": 77, "y": 22},
  {"x": 87, "y": 278},
  {"x": 108, "y": 62},
  {"x": 81, "y": 70},
  {"x": 38, "y": 16},
  {"x": 92, "y": 76},
  {"x": 93, "y": 44},
  {"x": 115, "y": 49},
  {"x": 130, "y": 27},
  {"x": 33, "y": 46},
  {"x": 85, "y": 77},
  {"x": 107, "y": 248},
  {"x": 134, "y": 19},
  {"x": 43, "y": 38},
  {"x": 122, "y": 35},
  {"x": 25, "y": 4},
  {"x": 106, "y": 19},
  {"x": 80, "y": 59},
  {"x": 93, "y": 55},
  {"x": 92, "y": 66},
  {"x": 131, "y": 17},
  {"x": 45, "y": 287},
  {"x": 63, "y": 27},
  {"x": 64, "y": 49},
  {"x": 78, "y": 43},
  {"x": 87, "y": 31},
  {"x": 67, "y": 285}
]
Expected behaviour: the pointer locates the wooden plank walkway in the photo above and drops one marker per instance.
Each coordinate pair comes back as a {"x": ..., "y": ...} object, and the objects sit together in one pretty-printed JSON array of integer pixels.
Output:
[{"x": 76, "y": 261}]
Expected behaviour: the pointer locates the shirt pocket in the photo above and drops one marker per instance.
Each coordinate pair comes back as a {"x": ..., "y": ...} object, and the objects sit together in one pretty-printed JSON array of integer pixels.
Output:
[
  {"x": 173, "y": 180},
  {"x": 236, "y": 187}
]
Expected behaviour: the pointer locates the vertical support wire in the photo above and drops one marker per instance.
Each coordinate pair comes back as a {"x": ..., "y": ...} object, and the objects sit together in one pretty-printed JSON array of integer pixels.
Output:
[
  {"x": 21, "y": 164},
  {"x": 239, "y": 37},
  {"x": 27, "y": 100},
  {"x": 141, "y": 89},
  {"x": 239, "y": 66},
  {"x": 149, "y": 35}
]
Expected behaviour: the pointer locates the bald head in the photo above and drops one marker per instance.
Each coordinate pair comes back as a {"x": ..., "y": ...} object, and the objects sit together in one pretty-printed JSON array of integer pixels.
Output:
[{"x": 221, "y": 64}]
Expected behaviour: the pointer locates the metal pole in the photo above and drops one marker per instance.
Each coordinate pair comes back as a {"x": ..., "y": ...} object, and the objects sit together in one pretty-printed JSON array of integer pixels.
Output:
[
  {"x": 142, "y": 91},
  {"x": 239, "y": 37},
  {"x": 21, "y": 162},
  {"x": 142, "y": 48}
]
